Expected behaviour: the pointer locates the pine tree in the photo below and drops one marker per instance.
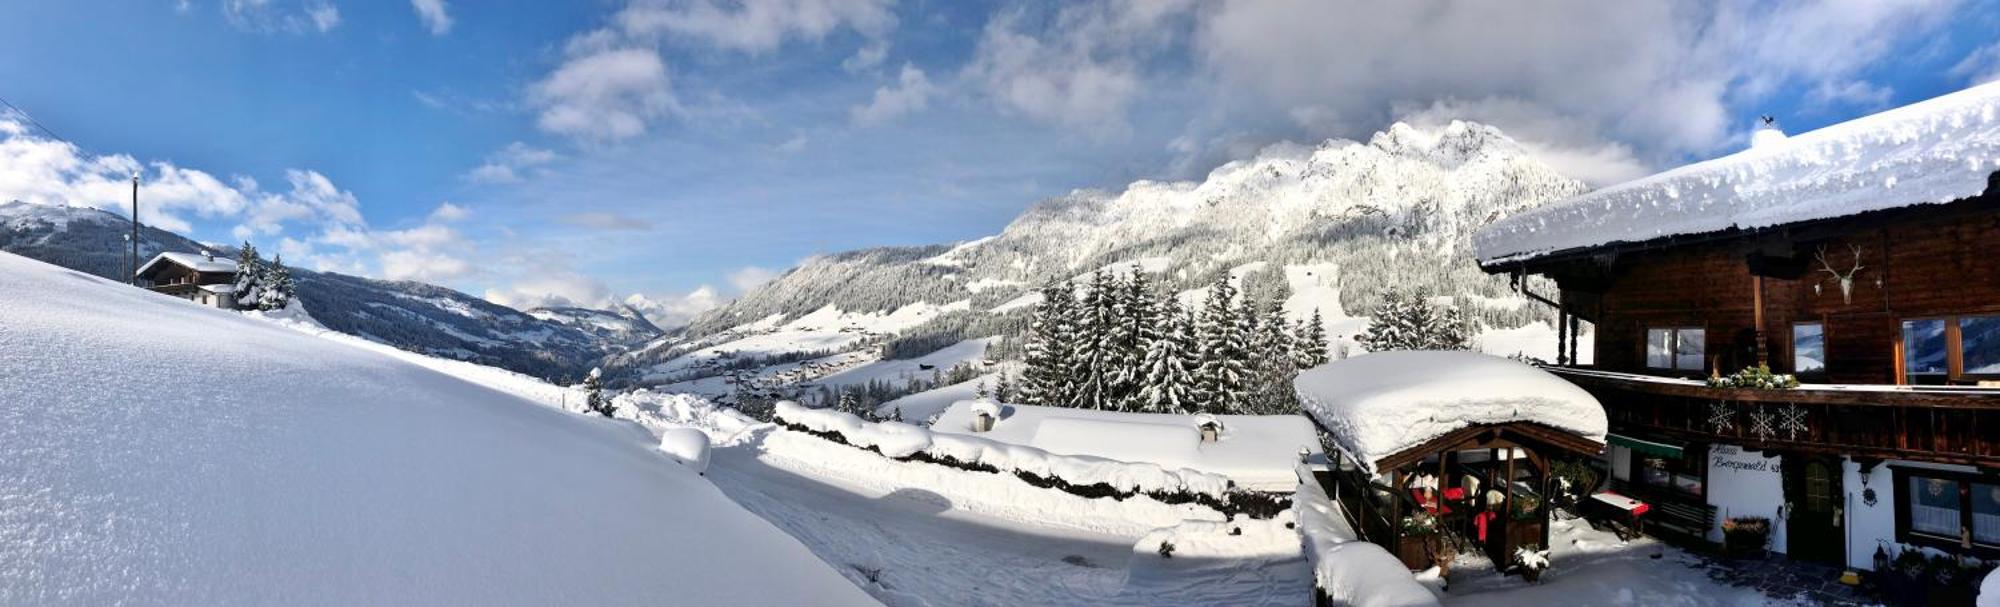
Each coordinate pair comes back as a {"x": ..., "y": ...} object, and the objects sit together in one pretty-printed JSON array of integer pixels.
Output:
[
  {"x": 594, "y": 400},
  {"x": 249, "y": 277},
  {"x": 1272, "y": 364},
  {"x": 1309, "y": 343},
  {"x": 1095, "y": 341},
  {"x": 1224, "y": 351},
  {"x": 1001, "y": 391},
  {"x": 1140, "y": 325},
  {"x": 848, "y": 404},
  {"x": 1046, "y": 378},
  {"x": 1408, "y": 321},
  {"x": 1169, "y": 384},
  {"x": 278, "y": 287}
]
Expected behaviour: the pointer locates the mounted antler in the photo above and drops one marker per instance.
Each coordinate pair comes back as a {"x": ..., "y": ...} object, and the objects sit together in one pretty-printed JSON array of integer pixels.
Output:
[{"x": 1845, "y": 279}]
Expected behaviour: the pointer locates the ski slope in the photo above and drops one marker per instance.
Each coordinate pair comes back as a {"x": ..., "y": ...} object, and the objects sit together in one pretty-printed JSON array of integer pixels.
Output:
[{"x": 155, "y": 451}]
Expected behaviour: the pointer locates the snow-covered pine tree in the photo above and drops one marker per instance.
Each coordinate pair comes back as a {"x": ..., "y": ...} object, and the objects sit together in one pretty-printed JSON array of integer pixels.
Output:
[
  {"x": 1001, "y": 390},
  {"x": 594, "y": 400},
  {"x": 1271, "y": 363},
  {"x": 1097, "y": 358},
  {"x": 848, "y": 403},
  {"x": 980, "y": 390},
  {"x": 1140, "y": 325},
  {"x": 1408, "y": 321},
  {"x": 277, "y": 286},
  {"x": 1045, "y": 378},
  {"x": 249, "y": 277},
  {"x": 1224, "y": 351},
  {"x": 1309, "y": 342},
  {"x": 1169, "y": 384}
]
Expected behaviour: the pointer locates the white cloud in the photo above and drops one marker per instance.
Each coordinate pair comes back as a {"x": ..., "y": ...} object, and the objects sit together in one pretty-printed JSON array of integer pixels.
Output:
[
  {"x": 434, "y": 15},
  {"x": 604, "y": 95},
  {"x": 673, "y": 310},
  {"x": 1655, "y": 72},
  {"x": 867, "y": 57},
  {"x": 281, "y": 15},
  {"x": 45, "y": 171},
  {"x": 1083, "y": 69},
  {"x": 507, "y": 164},
  {"x": 600, "y": 220},
  {"x": 794, "y": 145},
  {"x": 912, "y": 93},
  {"x": 550, "y": 284},
  {"x": 1980, "y": 66},
  {"x": 750, "y": 277},
  {"x": 755, "y": 27}
]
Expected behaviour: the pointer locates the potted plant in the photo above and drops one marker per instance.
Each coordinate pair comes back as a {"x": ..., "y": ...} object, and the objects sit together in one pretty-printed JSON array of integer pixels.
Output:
[
  {"x": 1745, "y": 536},
  {"x": 1530, "y": 561},
  {"x": 1414, "y": 547},
  {"x": 1907, "y": 579}
]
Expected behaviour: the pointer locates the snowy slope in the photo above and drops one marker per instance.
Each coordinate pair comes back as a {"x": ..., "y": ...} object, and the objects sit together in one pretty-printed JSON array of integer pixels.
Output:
[
  {"x": 155, "y": 451},
  {"x": 1259, "y": 452},
  {"x": 410, "y": 315}
]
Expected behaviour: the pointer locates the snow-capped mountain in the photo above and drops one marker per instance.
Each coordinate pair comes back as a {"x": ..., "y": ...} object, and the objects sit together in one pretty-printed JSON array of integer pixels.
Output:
[
  {"x": 1342, "y": 220},
  {"x": 409, "y": 315},
  {"x": 623, "y": 326}
]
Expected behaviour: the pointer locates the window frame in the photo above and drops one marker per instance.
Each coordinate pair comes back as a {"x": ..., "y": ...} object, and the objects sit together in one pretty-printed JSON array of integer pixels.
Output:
[
  {"x": 1824, "y": 363},
  {"x": 1900, "y": 477},
  {"x": 1693, "y": 462},
  {"x": 1673, "y": 348},
  {"x": 1954, "y": 348}
]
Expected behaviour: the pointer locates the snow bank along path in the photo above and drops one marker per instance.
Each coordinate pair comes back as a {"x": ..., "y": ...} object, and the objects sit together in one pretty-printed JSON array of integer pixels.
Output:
[
  {"x": 1933, "y": 151},
  {"x": 1379, "y": 404},
  {"x": 155, "y": 450},
  {"x": 1258, "y": 452}
]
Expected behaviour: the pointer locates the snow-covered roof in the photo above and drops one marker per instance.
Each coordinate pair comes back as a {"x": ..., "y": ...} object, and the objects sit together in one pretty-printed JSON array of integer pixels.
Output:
[
  {"x": 1935, "y": 151},
  {"x": 219, "y": 288},
  {"x": 1377, "y": 405},
  {"x": 196, "y": 261},
  {"x": 1258, "y": 452}
]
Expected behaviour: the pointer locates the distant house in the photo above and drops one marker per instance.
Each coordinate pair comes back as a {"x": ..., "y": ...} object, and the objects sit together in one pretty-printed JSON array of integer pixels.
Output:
[{"x": 202, "y": 277}]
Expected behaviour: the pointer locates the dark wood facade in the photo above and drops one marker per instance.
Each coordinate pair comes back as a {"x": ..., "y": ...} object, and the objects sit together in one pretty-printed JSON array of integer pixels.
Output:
[{"x": 1924, "y": 262}]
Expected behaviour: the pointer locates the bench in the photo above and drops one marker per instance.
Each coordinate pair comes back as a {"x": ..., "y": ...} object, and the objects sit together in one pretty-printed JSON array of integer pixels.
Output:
[{"x": 1690, "y": 520}]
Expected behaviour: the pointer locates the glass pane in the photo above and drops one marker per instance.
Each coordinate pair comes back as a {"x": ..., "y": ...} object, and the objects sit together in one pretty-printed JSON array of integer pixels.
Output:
[
  {"x": 1655, "y": 473},
  {"x": 1808, "y": 348},
  {"x": 1819, "y": 488},
  {"x": 1986, "y": 513},
  {"x": 1923, "y": 350},
  {"x": 1688, "y": 347},
  {"x": 1934, "y": 506},
  {"x": 1658, "y": 354},
  {"x": 1688, "y": 483},
  {"x": 1981, "y": 337}
]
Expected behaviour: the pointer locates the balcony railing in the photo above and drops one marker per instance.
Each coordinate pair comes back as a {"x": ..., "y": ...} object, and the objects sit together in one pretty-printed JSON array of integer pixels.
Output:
[{"x": 1942, "y": 424}]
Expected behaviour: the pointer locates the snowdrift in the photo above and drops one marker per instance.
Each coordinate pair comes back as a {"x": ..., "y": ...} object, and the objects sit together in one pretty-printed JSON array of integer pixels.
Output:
[{"x": 155, "y": 451}]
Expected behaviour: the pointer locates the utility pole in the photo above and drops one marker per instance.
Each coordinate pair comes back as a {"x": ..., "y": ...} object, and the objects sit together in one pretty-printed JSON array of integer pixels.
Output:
[{"x": 132, "y": 262}]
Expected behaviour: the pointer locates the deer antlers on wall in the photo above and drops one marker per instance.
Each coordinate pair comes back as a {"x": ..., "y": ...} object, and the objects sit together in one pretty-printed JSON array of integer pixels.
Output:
[{"x": 1845, "y": 279}]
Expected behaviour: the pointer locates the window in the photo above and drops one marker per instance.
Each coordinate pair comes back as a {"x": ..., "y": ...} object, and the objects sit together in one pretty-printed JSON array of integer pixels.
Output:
[
  {"x": 1809, "y": 350},
  {"x": 1934, "y": 506},
  {"x": 1979, "y": 341},
  {"x": 1956, "y": 348},
  {"x": 1937, "y": 508},
  {"x": 1681, "y": 348},
  {"x": 1674, "y": 474}
]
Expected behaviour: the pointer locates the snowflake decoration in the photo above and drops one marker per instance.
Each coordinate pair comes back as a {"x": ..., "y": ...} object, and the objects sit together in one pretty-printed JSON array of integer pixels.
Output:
[
  {"x": 1760, "y": 425},
  {"x": 1719, "y": 416},
  {"x": 1792, "y": 420}
]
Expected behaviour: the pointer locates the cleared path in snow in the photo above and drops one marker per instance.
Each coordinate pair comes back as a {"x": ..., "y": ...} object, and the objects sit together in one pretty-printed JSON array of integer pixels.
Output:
[{"x": 912, "y": 547}]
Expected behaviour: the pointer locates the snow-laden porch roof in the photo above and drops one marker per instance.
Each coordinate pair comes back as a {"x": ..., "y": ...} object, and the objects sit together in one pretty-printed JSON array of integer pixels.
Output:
[
  {"x": 1383, "y": 405},
  {"x": 1931, "y": 152}
]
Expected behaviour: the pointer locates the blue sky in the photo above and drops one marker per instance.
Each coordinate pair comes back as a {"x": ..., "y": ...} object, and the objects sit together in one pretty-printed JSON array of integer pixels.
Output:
[{"x": 681, "y": 151}]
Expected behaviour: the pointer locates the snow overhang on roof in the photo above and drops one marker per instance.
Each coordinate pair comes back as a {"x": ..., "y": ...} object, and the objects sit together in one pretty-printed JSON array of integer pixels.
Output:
[
  {"x": 1936, "y": 151},
  {"x": 1382, "y": 404},
  {"x": 195, "y": 261}
]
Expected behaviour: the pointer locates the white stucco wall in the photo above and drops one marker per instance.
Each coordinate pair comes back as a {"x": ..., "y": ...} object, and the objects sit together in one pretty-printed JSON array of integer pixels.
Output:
[
  {"x": 1621, "y": 463},
  {"x": 1873, "y": 526},
  {"x": 1745, "y": 483}
]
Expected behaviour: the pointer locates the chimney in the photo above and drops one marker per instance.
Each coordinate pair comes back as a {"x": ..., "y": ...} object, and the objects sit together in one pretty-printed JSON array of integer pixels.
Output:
[{"x": 209, "y": 253}]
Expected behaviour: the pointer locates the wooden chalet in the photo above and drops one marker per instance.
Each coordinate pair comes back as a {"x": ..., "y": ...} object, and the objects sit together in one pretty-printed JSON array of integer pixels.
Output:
[
  {"x": 1864, "y": 258},
  {"x": 202, "y": 277}
]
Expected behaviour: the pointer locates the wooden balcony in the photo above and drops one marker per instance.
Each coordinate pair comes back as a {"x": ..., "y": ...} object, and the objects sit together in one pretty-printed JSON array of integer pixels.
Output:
[{"x": 1938, "y": 424}]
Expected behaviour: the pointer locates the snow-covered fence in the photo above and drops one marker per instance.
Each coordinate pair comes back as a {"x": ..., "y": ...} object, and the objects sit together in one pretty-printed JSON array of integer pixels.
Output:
[
  {"x": 1088, "y": 477},
  {"x": 1347, "y": 571}
]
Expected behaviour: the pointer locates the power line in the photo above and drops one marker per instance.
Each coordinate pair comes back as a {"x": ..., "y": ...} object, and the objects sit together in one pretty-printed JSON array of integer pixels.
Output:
[{"x": 31, "y": 120}]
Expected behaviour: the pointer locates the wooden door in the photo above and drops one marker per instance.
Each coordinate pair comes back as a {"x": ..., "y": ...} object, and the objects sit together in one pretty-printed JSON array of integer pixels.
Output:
[{"x": 1816, "y": 530}]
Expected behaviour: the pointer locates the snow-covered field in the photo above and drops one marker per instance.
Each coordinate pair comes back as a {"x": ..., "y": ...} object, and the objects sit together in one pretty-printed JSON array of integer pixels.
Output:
[
  {"x": 152, "y": 450},
  {"x": 1258, "y": 452}
]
